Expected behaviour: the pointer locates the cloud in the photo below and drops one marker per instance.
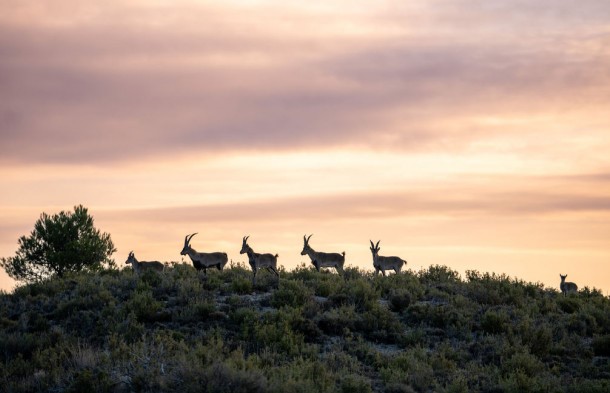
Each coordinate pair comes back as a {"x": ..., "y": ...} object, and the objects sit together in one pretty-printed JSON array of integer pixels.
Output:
[
  {"x": 376, "y": 206},
  {"x": 107, "y": 83}
]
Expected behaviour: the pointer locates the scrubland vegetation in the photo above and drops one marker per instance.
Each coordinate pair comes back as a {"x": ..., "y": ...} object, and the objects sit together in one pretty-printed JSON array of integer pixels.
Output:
[{"x": 176, "y": 331}]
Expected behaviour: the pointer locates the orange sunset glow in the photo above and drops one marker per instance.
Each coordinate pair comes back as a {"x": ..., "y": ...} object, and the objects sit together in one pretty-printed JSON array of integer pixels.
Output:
[{"x": 474, "y": 135}]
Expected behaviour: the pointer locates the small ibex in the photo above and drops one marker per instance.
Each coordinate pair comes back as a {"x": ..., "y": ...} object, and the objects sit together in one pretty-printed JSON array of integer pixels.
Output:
[
  {"x": 567, "y": 286},
  {"x": 259, "y": 261},
  {"x": 323, "y": 259},
  {"x": 141, "y": 267},
  {"x": 385, "y": 263},
  {"x": 204, "y": 260}
]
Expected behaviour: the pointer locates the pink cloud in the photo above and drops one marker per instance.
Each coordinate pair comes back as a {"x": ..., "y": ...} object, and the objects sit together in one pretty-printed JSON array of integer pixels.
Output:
[{"x": 169, "y": 80}]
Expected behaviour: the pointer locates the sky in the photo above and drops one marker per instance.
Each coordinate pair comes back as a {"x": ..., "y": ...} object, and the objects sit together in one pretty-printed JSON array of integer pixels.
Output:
[{"x": 471, "y": 134}]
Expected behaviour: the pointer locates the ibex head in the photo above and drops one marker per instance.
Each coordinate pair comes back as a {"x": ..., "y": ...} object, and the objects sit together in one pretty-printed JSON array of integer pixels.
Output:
[
  {"x": 306, "y": 247},
  {"x": 187, "y": 246},
  {"x": 563, "y": 277},
  {"x": 375, "y": 248},
  {"x": 244, "y": 245},
  {"x": 130, "y": 258}
]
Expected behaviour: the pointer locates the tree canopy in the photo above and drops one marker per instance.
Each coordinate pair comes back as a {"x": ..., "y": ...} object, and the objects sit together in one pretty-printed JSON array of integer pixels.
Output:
[{"x": 60, "y": 243}]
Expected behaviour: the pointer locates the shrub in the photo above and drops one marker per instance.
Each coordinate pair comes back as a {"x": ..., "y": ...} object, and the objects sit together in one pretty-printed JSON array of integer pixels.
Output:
[
  {"x": 60, "y": 244},
  {"x": 568, "y": 304},
  {"x": 540, "y": 340},
  {"x": 494, "y": 322},
  {"x": 380, "y": 325},
  {"x": 223, "y": 379},
  {"x": 291, "y": 294},
  {"x": 439, "y": 274},
  {"x": 144, "y": 306},
  {"x": 590, "y": 386},
  {"x": 353, "y": 273},
  {"x": 336, "y": 320},
  {"x": 337, "y": 300},
  {"x": 152, "y": 278},
  {"x": 324, "y": 288},
  {"x": 275, "y": 331},
  {"x": 396, "y": 387},
  {"x": 601, "y": 345},
  {"x": 90, "y": 381},
  {"x": 445, "y": 317},
  {"x": 20, "y": 344},
  {"x": 409, "y": 369},
  {"x": 360, "y": 293},
  {"x": 405, "y": 281},
  {"x": 399, "y": 300},
  {"x": 581, "y": 323},
  {"x": 198, "y": 310},
  {"x": 242, "y": 286},
  {"x": 307, "y": 328},
  {"x": 244, "y": 316},
  {"x": 305, "y": 273},
  {"x": 355, "y": 384}
]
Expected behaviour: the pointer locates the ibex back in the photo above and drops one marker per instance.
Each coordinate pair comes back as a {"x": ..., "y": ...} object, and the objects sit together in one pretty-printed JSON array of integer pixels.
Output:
[
  {"x": 567, "y": 286},
  {"x": 323, "y": 259},
  {"x": 385, "y": 263},
  {"x": 141, "y": 267},
  {"x": 259, "y": 261},
  {"x": 204, "y": 260}
]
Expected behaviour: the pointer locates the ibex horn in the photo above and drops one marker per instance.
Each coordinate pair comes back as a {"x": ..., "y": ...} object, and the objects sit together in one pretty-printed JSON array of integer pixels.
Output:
[{"x": 188, "y": 238}]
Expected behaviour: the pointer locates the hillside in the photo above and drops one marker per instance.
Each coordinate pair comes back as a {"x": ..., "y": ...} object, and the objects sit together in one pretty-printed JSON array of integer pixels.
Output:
[{"x": 314, "y": 332}]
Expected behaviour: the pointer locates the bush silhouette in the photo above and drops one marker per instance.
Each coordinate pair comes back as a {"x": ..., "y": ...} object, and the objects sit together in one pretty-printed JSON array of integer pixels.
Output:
[
  {"x": 59, "y": 244},
  {"x": 413, "y": 332}
]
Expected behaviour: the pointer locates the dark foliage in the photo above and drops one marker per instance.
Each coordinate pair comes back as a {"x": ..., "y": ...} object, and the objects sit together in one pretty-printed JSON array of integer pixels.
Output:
[
  {"x": 179, "y": 331},
  {"x": 60, "y": 244}
]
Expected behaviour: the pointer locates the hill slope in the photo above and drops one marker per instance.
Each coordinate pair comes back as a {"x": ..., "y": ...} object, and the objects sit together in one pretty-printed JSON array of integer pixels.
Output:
[{"x": 314, "y": 332}]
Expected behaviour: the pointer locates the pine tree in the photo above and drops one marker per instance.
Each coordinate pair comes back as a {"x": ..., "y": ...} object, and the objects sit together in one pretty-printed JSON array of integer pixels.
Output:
[{"x": 61, "y": 243}]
